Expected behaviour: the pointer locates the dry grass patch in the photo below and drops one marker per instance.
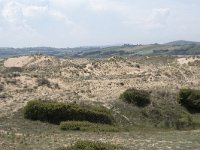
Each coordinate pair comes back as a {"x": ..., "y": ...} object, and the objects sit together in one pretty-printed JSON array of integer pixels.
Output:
[
  {"x": 90, "y": 145},
  {"x": 87, "y": 126}
]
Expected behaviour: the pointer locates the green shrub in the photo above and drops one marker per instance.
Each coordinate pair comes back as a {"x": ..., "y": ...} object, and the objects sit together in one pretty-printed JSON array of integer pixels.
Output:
[
  {"x": 87, "y": 126},
  {"x": 139, "y": 98},
  {"x": 190, "y": 99},
  {"x": 55, "y": 112},
  {"x": 89, "y": 145}
]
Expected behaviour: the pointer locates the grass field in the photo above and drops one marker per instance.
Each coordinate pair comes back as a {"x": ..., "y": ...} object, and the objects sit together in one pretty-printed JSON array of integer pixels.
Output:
[{"x": 18, "y": 133}]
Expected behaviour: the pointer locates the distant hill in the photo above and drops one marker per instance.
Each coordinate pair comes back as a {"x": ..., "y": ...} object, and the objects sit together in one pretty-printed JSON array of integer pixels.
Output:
[
  {"x": 182, "y": 42},
  {"x": 169, "y": 49}
]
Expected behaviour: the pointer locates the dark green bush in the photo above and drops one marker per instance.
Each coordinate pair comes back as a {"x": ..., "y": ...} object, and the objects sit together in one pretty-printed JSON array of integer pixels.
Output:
[
  {"x": 139, "y": 98},
  {"x": 55, "y": 112},
  {"x": 87, "y": 126},
  {"x": 89, "y": 145},
  {"x": 190, "y": 99}
]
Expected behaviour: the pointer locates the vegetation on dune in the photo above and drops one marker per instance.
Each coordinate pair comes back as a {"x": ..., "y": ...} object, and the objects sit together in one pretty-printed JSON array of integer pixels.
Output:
[
  {"x": 139, "y": 98},
  {"x": 87, "y": 126},
  {"x": 1, "y": 87},
  {"x": 190, "y": 99},
  {"x": 55, "y": 112},
  {"x": 90, "y": 145},
  {"x": 43, "y": 81},
  {"x": 164, "y": 112},
  {"x": 13, "y": 69}
]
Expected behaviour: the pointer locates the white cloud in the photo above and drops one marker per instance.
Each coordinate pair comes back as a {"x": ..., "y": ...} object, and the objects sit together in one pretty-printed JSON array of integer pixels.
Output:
[
  {"x": 100, "y": 5},
  {"x": 18, "y": 13},
  {"x": 103, "y": 6},
  {"x": 67, "y": 4},
  {"x": 24, "y": 21},
  {"x": 120, "y": 8},
  {"x": 57, "y": 15},
  {"x": 31, "y": 11},
  {"x": 14, "y": 18},
  {"x": 12, "y": 12},
  {"x": 158, "y": 17}
]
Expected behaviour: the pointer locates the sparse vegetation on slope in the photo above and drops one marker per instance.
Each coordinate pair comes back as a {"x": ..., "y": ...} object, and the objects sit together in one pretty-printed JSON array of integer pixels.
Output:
[
  {"x": 43, "y": 81},
  {"x": 55, "y": 112},
  {"x": 1, "y": 87},
  {"x": 164, "y": 112}
]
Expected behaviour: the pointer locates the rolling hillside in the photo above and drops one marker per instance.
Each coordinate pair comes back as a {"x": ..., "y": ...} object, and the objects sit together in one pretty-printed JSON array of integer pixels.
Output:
[{"x": 167, "y": 49}]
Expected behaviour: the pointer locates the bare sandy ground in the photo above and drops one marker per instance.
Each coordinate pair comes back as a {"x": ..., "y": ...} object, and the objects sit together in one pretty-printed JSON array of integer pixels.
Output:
[
  {"x": 187, "y": 60},
  {"x": 18, "y": 61}
]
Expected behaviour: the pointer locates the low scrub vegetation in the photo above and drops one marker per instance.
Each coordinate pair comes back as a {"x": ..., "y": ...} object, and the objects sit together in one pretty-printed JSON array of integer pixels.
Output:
[
  {"x": 190, "y": 99},
  {"x": 1, "y": 87},
  {"x": 13, "y": 69},
  {"x": 89, "y": 145},
  {"x": 87, "y": 126},
  {"x": 139, "y": 98},
  {"x": 55, "y": 112},
  {"x": 43, "y": 81},
  {"x": 164, "y": 112}
]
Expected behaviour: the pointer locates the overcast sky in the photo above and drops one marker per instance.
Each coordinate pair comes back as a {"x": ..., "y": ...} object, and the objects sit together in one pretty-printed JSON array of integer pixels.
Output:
[{"x": 71, "y": 23}]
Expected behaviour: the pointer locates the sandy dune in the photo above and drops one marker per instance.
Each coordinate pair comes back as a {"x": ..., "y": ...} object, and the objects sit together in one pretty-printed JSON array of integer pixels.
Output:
[{"x": 88, "y": 80}]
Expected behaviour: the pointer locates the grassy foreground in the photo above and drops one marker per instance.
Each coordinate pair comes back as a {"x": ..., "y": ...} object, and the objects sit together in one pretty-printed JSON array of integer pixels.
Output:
[{"x": 19, "y": 133}]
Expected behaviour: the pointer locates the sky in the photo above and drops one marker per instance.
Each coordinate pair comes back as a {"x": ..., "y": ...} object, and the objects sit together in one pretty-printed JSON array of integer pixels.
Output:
[{"x": 74, "y": 23}]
